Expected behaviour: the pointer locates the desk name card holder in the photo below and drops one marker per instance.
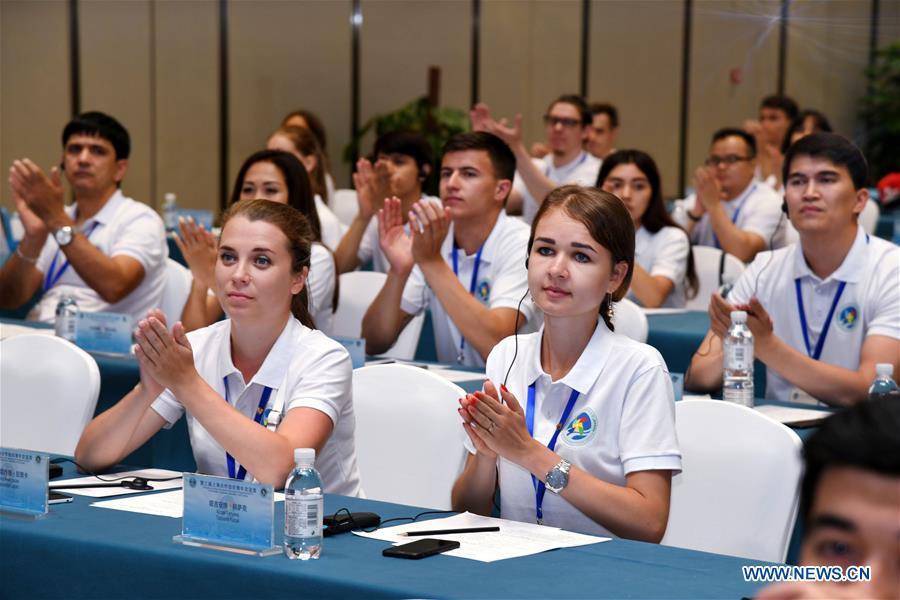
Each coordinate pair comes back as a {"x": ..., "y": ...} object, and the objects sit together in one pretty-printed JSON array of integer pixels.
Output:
[
  {"x": 228, "y": 514},
  {"x": 677, "y": 385},
  {"x": 201, "y": 217},
  {"x": 356, "y": 347},
  {"x": 104, "y": 332},
  {"x": 24, "y": 476}
]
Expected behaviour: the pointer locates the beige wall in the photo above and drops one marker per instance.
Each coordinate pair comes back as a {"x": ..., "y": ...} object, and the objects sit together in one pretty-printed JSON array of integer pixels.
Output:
[{"x": 154, "y": 65}]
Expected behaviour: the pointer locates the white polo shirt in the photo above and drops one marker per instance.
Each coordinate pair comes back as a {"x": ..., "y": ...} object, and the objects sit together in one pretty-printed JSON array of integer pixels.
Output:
[
  {"x": 757, "y": 209},
  {"x": 320, "y": 283},
  {"x": 664, "y": 253},
  {"x": 502, "y": 282},
  {"x": 122, "y": 227},
  {"x": 582, "y": 170},
  {"x": 332, "y": 230},
  {"x": 869, "y": 304},
  {"x": 623, "y": 420},
  {"x": 369, "y": 248},
  {"x": 304, "y": 367}
]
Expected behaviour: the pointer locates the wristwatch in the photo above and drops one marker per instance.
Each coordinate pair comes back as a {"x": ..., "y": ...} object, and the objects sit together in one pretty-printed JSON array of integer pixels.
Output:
[
  {"x": 64, "y": 235},
  {"x": 558, "y": 477}
]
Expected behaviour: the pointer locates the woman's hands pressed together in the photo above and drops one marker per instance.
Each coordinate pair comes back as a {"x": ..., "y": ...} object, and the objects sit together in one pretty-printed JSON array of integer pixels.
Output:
[
  {"x": 165, "y": 358},
  {"x": 495, "y": 422}
]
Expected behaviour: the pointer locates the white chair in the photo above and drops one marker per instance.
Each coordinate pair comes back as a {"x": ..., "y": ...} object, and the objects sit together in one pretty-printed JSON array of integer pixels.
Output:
[
  {"x": 630, "y": 320},
  {"x": 175, "y": 290},
  {"x": 712, "y": 271},
  {"x": 345, "y": 206},
  {"x": 358, "y": 289},
  {"x": 738, "y": 491},
  {"x": 868, "y": 218},
  {"x": 48, "y": 393},
  {"x": 409, "y": 437}
]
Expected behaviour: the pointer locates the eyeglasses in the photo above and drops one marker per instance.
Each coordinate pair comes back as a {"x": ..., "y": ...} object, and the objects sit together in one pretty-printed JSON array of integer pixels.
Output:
[
  {"x": 566, "y": 122},
  {"x": 727, "y": 160}
]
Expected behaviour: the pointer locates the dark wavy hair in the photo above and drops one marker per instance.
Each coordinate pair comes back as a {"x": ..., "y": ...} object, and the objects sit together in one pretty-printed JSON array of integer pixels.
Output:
[
  {"x": 101, "y": 125},
  {"x": 296, "y": 229},
  {"x": 656, "y": 216},
  {"x": 608, "y": 222}
]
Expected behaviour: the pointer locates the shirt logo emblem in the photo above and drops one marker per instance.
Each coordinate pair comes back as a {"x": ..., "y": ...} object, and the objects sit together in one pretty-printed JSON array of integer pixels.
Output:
[
  {"x": 483, "y": 291},
  {"x": 581, "y": 429},
  {"x": 848, "y": 317}
]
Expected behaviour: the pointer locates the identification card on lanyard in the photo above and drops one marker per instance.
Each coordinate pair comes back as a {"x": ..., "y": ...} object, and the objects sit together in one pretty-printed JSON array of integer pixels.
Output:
[
  {"x": 816, "y": 352},
  {"x": 257, "y": 417},
  {"x": 454, "y": 255},
  {"x": 53, "y": 274},
  {"x": 540, "y": 488}
]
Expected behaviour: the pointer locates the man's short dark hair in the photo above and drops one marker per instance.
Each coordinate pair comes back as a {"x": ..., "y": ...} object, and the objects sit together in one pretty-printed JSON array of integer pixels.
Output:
[
  {"x": 409, "y": 143},
  {"x": 576, "y": 101},
  {"x": 100, "y": 125},
  {"x": 865, "y": 436},
  {"x": 833, "y": 147},
  {"x": 785, "y": 104},
  {"x": 727, "y": 132},
  {"x": 605, "y": 108},
  {"x": 502, "y": 159}
]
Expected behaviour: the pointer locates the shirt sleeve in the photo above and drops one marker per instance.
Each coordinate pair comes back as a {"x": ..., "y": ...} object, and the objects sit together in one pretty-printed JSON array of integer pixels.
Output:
[
  {"x": 321, "y": 279},
  {"x": 168, "y": 407},
  {"x": 647, "y": 439},
  {"x": 886, "y": 300},
  {"x": 672, "y": 255},
  {"x": 744, "y": 286},
  {"x": 325, "y": 382},
  {"x": 761, "y": 215},
  {"x": 416, "y": 293},
  {"x": 143, "y": 238},
  {"x": 368, "y": 245}
]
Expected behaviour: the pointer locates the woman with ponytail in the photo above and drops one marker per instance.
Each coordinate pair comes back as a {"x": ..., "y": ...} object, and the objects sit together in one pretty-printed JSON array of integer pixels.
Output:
[
  {"x": 253, "y": 386},
  {"x": 576, "y": 423}
]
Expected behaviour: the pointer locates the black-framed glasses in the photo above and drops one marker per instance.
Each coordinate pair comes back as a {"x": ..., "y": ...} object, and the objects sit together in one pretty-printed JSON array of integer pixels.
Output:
[
  {"x": 727, "y": 160},
  {"x": 566, "y": 122}
]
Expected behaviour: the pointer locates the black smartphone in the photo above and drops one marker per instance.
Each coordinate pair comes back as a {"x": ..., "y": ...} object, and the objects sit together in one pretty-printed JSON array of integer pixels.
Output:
[
  {"x": 58, "y": 498},
  {"x": 420, "y": 548}
]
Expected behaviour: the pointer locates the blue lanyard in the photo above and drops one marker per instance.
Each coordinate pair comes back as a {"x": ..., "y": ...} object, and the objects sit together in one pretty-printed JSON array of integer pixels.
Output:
[
  {"x": 735, "y": 216},
  {"x": 263, "y": 401},
  {"x": 51, "y": 278},
  {"x": 582, "y": 157},
  {"x": 540, "y": 488},
  {"x": 815, "y": 354},
  {"x": 455, "y": 256}
]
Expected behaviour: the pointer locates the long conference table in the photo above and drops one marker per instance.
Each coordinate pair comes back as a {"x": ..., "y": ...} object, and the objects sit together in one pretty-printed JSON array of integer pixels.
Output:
[{"x": 80, "y": 551}]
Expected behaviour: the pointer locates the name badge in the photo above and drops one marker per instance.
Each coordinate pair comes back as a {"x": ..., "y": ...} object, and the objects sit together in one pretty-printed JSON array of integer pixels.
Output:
[
  {"x": 23, "y": 481},
  {"x": 228, "y": 513},
  {"x": 357, "y": 349},
  {"x": 104, "y": 332}
]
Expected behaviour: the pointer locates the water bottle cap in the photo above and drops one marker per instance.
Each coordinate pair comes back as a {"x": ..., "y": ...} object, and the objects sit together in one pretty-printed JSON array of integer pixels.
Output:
[
  {"x": 738, "y": 316},
  {"x": 304, "y": 455},
  {"x": 884, "y": 369},
  {"x": 169, "y": 198}
]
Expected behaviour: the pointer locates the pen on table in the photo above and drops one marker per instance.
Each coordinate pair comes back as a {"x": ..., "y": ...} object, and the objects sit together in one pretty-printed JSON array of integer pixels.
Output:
[{"x": 447, "y": 531}]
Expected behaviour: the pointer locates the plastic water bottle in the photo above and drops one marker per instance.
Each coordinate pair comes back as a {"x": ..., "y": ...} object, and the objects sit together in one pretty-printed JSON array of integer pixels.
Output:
[
  {"x": 884, "y": 386},
  {"x": 66, "y": 318},
  {"x": 303, "y": 506},
  {"x": 170, "y": 211},
  {"x": 738, "y": 361}
]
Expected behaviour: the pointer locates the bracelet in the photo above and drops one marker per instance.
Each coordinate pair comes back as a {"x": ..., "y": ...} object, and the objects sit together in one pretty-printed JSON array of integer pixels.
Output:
[
  {"x": 25, "y": 258},
  {"x": 692, "y": 216}
]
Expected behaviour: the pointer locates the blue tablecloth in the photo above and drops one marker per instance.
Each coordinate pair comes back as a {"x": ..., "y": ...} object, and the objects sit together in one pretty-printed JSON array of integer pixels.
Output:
[{"x": 79, "y": 551}]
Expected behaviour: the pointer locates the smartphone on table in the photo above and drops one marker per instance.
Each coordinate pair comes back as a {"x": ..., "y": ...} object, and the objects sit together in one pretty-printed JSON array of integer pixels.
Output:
[
  {"x": 420, "y": 548},
  {"x": 58, "y": 498}
]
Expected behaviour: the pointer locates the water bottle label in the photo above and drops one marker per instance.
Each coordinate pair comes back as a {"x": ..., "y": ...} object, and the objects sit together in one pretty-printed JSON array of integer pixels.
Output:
[
  {"x": 302, "y": 516},
  {"x": 738, "y": 357}
]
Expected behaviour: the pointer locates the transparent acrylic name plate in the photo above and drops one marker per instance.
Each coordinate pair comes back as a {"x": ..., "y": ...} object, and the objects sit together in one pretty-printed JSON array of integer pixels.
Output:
[
  {"x": 228, "y": 514},
  {"x": 23, "y": 483}
]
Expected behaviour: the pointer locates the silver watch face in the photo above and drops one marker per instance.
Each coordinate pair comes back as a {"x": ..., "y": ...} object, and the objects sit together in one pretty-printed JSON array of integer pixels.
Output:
[
  {"x": 557, "y": 479},
  {"x": 63, "y": 235}
]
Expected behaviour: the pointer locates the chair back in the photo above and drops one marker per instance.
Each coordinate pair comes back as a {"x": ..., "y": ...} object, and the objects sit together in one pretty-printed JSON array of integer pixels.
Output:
[
  {"x": 48, "y": 393},
  {"x": 175, "y": 291},
  {"x": 345, "y": 206},
  {"x": 713, "y": 268},
  {"x": 358, "y": 290},
  {"x": 868, "y": 218},
  {"x": 630, "y": 320},
  {"x": 409, "y": 437},
  {"x": 739, "y": 489}
]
